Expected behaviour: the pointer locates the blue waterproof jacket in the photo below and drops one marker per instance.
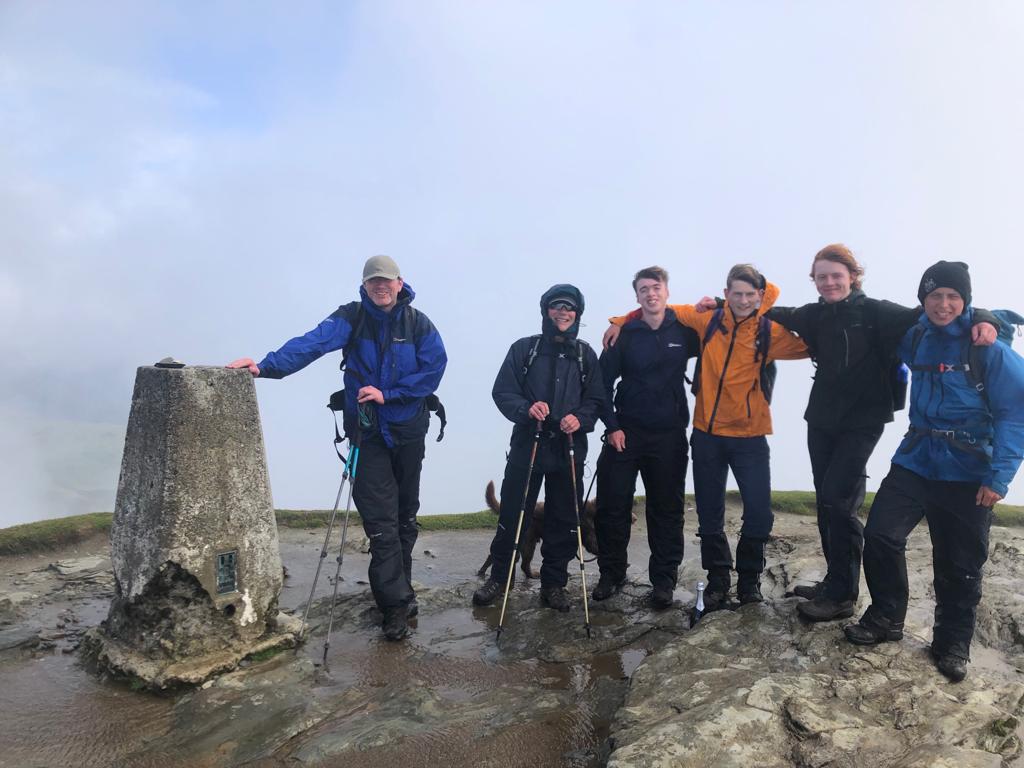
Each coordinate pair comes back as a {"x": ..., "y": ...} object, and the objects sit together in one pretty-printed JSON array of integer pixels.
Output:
[
  {"x": 957, "y": 432},
  {"x": 399, "y": 352}
]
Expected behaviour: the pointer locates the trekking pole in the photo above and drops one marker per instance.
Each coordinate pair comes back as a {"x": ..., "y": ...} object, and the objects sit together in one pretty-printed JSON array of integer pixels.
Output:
[
  {"x": 519, "y": 528},
  {"x": 353, "y": 461},
  {"x": 327, "y": 538},
  {"x": 579, "y": 534}
]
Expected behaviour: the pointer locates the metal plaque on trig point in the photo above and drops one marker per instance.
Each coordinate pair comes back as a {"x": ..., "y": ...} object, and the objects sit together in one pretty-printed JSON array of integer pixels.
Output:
[{"x": 226, "y": 570}]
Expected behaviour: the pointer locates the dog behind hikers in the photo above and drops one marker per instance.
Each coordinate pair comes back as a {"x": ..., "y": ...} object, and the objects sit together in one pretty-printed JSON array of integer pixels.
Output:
[{"x": 528, "y": 541}]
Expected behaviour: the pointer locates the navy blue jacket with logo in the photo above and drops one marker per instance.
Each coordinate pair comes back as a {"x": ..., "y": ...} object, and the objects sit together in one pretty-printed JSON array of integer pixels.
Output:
[
  {"x": 651, "y": 363},
  {"x": 398, "y": 352}
]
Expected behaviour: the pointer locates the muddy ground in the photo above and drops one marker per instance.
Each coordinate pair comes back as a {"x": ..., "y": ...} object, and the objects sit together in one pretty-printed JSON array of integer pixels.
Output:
[{"x": 549, "y": 695}]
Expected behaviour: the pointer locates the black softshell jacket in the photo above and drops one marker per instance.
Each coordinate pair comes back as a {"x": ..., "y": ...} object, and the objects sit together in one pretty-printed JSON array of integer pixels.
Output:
[{"x": 554, "y": 378}]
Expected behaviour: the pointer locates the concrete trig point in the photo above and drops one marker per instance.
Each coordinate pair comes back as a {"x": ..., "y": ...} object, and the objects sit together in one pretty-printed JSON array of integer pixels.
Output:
[{"x": 194, "y": 541}]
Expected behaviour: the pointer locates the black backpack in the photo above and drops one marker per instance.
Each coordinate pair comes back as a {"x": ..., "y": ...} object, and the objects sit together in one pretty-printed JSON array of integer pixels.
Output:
[
  {"x": 762, "y": 343},
  {"x": 896, "y": 373}
]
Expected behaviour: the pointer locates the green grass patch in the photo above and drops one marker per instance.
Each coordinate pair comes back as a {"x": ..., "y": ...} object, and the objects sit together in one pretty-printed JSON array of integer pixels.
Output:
[
  {"x": 51, "y": 534},
  {"x": 1009, "y": 514},
  {"x": 463, "y": 522},
  {"x": 311, "y": 518},
  {"x": 46, "y": 535}
]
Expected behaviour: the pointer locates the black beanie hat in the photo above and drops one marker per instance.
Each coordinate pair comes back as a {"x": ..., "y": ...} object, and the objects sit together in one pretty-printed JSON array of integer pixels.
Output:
[{"x": 946, "y": 274}]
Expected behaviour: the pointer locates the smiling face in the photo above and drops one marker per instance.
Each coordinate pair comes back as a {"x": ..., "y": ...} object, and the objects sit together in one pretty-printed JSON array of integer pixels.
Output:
[
  {"x": 651, "y": 295},
  {"x": 943, "y": 306},
  {"x": 832, "y": 280},
  {"x": 743, "y": 298},
  {"x": 561, "y": 316},
  {"x": 383, "y": 292}
]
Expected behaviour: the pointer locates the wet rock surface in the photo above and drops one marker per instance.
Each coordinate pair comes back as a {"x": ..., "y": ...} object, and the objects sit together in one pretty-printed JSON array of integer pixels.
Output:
[{"x": 755, "y": 686}]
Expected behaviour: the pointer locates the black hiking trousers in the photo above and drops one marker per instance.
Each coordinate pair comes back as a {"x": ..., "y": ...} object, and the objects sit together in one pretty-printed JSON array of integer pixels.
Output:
[
  {"x": 959, "y": 532},
  {"x": 387, "y": 494},
  {"x": 839, "y": 459},
  {"x": 661, "y": 459},
  {"x": 559, "y": 543}
]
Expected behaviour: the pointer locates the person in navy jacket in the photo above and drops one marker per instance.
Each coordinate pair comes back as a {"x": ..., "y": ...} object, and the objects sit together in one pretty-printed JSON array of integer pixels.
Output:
[
  {"x": 646, "y": 434},
  {"x": 395, "y": 359},
  {"x": 964, "y": 445}
]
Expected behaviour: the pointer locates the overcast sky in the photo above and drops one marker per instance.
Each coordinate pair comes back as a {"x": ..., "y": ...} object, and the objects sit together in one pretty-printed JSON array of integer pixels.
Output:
[{"x": 205, "y": 181}]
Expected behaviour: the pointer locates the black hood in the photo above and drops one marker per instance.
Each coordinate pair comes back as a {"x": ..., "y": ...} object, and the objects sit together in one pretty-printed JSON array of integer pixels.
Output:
[{"x": 561, "y": 290}]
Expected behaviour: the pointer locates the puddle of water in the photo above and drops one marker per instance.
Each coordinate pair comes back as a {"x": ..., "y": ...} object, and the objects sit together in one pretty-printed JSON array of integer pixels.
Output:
[{"x": 55, "y": 713}]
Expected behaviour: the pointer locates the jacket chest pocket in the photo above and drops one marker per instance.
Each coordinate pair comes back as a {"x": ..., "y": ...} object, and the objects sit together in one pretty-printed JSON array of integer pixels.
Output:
[{"x": 857, "y": 344}]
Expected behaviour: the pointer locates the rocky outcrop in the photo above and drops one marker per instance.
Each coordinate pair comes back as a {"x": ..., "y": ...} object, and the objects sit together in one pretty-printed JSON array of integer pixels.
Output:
[{"x": 758, "y": 686}]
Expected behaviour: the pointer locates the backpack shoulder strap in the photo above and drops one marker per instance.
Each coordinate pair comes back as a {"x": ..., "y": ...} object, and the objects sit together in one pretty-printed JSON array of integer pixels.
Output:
[
  {"x": 358, "y": 321},
  {"x": 714, "y": 325},
  {"x": 763, "y": 340},
  {"x": 975, "y": 367},
  {"x": 581, "y": 348},
  {"x": 531, "y": 355}
]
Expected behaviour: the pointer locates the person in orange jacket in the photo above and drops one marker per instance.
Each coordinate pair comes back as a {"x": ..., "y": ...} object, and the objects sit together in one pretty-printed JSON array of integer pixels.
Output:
[{"x": 732, "y": 417}]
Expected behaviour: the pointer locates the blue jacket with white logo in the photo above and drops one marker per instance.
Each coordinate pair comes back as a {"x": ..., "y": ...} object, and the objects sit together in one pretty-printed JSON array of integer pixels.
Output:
[
  {"x": 956, "y": 431},
  {"x": 399, "y": 352}
]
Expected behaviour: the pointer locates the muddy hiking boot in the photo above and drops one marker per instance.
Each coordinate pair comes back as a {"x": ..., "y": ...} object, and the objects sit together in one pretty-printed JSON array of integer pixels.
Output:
[
  {"x": 661, "y": 597},
  {"x": 716, "y": 594},
  {"x": 606, "y": 587},
  {"x": 952, "y": 666},
  {"x": 822, "y": 608},
  {"x": 808, "y": 591},
  {"x": 555, "y": 597},
  {"x": 395, "y": 625},
  {"x": 412, "y": 609},
  {"x": 491, "y": 590},
  {"x": 872, "y": 630},
  {"x": 748, "y": 588}
]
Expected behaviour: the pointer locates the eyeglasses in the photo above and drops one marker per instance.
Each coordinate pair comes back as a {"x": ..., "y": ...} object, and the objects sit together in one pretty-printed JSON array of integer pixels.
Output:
[{"x": 565, "y": 305}]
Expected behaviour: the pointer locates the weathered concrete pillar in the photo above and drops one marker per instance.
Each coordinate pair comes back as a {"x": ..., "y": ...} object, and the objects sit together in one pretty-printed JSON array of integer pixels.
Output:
[{"x": 194, "y": 540}]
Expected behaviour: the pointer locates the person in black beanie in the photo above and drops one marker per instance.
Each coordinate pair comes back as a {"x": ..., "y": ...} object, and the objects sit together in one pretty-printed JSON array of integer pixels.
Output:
[
  {"x": 964, "y": 446},
  {"x": 555, "y": 379},
  {"x": 948, "y": 274}
]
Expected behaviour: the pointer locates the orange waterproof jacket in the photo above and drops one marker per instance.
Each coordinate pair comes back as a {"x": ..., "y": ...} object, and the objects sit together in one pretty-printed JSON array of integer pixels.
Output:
[{"x": 730, "y": 401}]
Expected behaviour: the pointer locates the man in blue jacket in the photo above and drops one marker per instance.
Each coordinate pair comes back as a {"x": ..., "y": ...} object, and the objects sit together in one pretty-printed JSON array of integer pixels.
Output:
[
  {"x": 646, "y": 435},
  {"x": 395, "y": 359},
  {"x": 964, "y": 445}
]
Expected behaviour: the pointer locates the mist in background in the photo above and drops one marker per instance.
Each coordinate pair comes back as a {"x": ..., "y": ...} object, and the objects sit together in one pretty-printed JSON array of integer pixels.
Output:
[{"x": 206, "y": 181}]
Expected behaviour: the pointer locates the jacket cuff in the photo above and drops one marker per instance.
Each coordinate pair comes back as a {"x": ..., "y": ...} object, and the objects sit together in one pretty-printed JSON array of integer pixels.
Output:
[{"x": 1001, "y": 488}]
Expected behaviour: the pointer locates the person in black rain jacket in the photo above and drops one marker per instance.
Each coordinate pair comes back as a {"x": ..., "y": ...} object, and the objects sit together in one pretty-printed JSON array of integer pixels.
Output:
[{"x": 553, "y": 378}]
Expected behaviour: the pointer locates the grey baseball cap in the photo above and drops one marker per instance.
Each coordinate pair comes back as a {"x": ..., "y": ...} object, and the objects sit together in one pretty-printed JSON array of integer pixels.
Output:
[{"x": 381, "y": 266}]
